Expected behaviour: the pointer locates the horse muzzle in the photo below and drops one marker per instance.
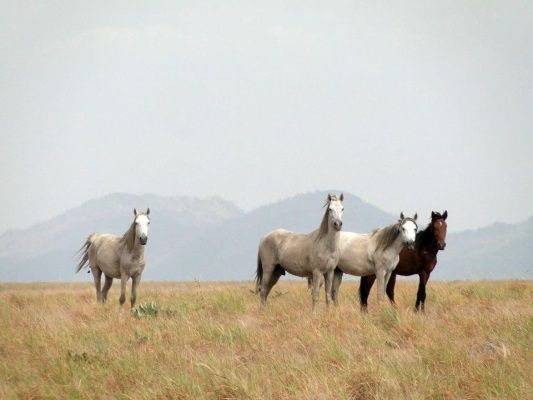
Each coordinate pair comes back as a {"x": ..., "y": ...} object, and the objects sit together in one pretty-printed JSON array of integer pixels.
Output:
[
  {"x": 337, "y": 225},
  {"x": 410, "y": 245},
  {"x": 143, "y": 240},
  {"x": 442, "y": 245}
]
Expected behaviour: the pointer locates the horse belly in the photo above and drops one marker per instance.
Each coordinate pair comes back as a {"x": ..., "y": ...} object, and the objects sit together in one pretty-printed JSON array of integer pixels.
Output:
[
  {"x": 297, "y": 266},
  {"x": 105, "y": 258},
  {"x": 110, "y": 269},
  {"x": 356, "y": 263},
  {"x": 357, "y": 267}
]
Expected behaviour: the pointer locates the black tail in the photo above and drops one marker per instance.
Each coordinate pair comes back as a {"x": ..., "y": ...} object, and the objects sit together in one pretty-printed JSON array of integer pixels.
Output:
[
  {"x": 258, "y": 273},
  {"x": 84, "y": 252}
]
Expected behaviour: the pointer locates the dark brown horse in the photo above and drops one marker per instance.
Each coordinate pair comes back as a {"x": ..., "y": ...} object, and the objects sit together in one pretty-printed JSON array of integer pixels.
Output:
[{"x": 421, "y": 261}]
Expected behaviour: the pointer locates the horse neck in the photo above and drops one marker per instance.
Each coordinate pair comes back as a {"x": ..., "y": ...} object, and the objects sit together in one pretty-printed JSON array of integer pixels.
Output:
[
  {"x": 131, "y": 241},
  {"x": 332, "y": 238},
  {"x": 326, "y": 235},
  {"x": 425, "y": 240},
  {"x": 398, "y": 244}
]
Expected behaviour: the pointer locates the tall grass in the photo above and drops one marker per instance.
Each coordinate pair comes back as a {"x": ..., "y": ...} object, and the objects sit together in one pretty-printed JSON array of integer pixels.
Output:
[{"x": 214, "y": 341}]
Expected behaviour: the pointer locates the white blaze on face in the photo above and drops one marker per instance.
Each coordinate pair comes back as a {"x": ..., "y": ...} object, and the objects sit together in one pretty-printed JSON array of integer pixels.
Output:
[
  {"x": 409, "y": 229},
  {"x": 141, "y": 226}
]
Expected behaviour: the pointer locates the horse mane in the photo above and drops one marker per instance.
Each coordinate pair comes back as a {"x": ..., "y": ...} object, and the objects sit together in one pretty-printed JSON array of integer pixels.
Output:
[
  {"x": 129, "y": 237},
  {"x": 385, "y": 237},
  {"x": 324, "y": 225},
  {"x": 425, "y": 237}
]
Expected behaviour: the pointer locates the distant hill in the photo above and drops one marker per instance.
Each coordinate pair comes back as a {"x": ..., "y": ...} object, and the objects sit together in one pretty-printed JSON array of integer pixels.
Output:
[
  {"x": 47, "y": 251},
  {"x": 499, "y": 251},
  {"x": 212, "y": 239},
  {"x": 229, "y": 250}
]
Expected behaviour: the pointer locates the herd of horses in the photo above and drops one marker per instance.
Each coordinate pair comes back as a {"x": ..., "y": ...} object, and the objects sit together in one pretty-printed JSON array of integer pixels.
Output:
[{"x": 322, "y": 256}]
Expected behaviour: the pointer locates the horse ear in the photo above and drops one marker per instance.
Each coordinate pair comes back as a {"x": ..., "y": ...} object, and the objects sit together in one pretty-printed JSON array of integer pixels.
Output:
[
  {"x": 433, "y": 215},
  {"x": 445, "y": 214},
  {"x": 342, "y": 197},
  {"x": 148, "y": 211},
  {"x": 135, "y": 211},
  {"x": 329, "y": 197},
  {"x": 401, "y": 215},
  {"x": 416, "y": 216}
]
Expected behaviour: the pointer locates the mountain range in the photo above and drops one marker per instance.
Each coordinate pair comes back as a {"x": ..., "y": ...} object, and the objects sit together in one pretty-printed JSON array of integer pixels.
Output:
[{"x": 213, "y": 239}]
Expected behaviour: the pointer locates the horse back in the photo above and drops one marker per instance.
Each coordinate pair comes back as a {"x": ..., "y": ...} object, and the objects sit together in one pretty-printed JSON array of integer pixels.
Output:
[{"x": 277, "y": 241}]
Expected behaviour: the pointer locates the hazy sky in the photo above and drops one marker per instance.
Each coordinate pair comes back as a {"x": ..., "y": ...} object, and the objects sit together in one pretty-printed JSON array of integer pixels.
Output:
[{"x": 412, "y": 106}]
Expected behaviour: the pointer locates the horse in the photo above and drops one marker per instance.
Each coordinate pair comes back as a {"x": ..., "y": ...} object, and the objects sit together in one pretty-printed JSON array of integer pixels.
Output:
[
  {"x": 421, "y": 261},
  {"x": 306, "y": 255},
  {"x": 117, "y": 257},
  {"x": 376, "y": 253}
]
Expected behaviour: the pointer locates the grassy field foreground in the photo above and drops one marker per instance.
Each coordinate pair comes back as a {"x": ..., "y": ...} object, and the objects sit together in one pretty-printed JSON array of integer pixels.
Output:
[{"x": 213, "y": 340}]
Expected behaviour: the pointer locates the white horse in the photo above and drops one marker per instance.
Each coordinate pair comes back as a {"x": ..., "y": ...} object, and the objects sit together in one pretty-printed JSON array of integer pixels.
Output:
[
  {"x": 117, "y": 257},
  {"x": 307, "y": 255},
  {"x": 374, "y": 253}
]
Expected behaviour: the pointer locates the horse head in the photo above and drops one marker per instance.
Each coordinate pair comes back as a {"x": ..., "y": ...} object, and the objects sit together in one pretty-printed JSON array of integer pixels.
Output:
[
  {"x": 438, "y": 222},
  {"x": 142, "y": 222},
  {"x": 335, "y": 210},
  {"x": 408, "y": 228}
]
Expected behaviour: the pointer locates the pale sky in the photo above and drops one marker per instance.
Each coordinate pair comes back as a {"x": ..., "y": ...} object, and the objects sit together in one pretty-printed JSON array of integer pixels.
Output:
[{"x": 412, "y": 106}]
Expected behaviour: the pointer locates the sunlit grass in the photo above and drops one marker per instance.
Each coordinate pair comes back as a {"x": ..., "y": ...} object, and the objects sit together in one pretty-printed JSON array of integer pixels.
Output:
[{"x": 213, "y": 340}]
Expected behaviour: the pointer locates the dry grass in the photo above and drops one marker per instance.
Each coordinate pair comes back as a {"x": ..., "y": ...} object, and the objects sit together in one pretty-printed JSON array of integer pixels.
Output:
[{"x": 213, "y": 340}]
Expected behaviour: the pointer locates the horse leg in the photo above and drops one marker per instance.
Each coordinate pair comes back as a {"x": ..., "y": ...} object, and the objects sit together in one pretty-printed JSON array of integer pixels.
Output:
[
  {"x": 107, "y": 286},
  {"x": 388, "y": 275},
  {"x": 390, "y": 287},
  {"x": 123, "y": 280},
  {"x": 265, "y": 281},
  {"x": 273, "y": 279},
  {"x": 421, "y": 294},
  {"x": 316, "y": 288},
  {"x": 97, "y": 274},
  {"x": 328, "y": 283},
  {"x": 336, "y": 283},
  {"x": 364, "y": 290},
  {"x": 310, "y": 282},
  {"x": 134, "y": 283},
  {"x": 380, "y": 279}
]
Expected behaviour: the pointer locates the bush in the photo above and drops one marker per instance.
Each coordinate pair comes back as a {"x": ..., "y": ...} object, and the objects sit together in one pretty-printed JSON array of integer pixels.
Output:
[{"x": 146, "y": 310}]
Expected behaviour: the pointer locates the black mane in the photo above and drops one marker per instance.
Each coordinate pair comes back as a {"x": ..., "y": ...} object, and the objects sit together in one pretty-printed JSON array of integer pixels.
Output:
[{"x": 426, "y": 238}]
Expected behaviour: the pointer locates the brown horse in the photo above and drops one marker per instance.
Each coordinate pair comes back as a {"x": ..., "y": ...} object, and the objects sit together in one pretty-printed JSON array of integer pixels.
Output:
[{"x": 421, "y": 261}]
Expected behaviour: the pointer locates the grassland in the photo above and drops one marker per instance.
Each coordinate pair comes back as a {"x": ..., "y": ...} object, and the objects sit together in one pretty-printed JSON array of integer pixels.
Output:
[{"x": 214, "y": 341}]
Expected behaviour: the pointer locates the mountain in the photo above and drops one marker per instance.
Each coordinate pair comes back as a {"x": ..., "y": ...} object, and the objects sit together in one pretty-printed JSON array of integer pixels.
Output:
[
  {"x": 189, "y": 238},
  {"x": 47, "y": 251},
  {"x": 229, "y": 251},
  {"x": 212, "y": 239},
  {"x": 499, "y": 251}
]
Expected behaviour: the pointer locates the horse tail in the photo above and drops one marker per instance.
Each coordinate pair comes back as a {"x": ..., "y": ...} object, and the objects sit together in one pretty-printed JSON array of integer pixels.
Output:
[
  {"x": 84, "y": 252},
  {"x": 258, "y": 273}
]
